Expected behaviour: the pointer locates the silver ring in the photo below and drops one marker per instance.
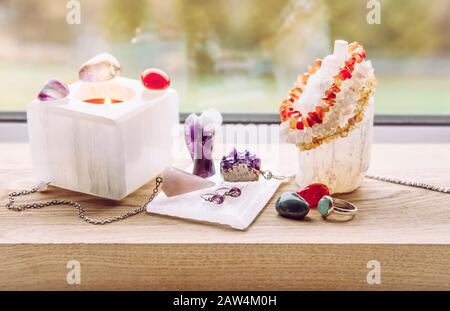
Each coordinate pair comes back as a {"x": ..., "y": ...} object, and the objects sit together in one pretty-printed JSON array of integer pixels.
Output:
[{"x": 328, "y": 205}]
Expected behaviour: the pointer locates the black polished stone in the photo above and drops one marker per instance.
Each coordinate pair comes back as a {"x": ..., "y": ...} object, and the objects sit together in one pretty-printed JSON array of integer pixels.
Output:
[{"x": 291, "y": 205}]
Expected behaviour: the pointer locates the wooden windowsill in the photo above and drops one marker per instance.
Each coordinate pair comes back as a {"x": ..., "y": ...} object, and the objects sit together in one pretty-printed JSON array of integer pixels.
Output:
[{"x": 406, "y": 229}]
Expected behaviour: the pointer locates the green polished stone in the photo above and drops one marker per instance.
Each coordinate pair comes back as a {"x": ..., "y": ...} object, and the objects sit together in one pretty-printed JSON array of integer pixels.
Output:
[
  {"x": 291, "y": 205},
  {"x": 324, "y": 205}
]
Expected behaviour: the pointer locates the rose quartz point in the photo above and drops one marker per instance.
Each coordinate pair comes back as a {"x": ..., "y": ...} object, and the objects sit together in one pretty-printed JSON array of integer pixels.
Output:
[{"x": 176, "y": 182}]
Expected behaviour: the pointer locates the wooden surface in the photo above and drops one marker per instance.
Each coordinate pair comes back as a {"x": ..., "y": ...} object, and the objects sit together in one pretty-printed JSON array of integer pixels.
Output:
[{"x": 407, "y": 230}]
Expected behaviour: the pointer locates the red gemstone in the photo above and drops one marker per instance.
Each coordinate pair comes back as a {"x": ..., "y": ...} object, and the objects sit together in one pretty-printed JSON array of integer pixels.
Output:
[
  {"x": 330, "y": 94},
  {"x": 350, "y": 67},
  {"x": 334, "y": 88},
  {"x": 294, "y": 113},
  {"x": 320, "y": 112},
  {"x": 329, "y": 101},
  {"x": 345, "y": 74},
  {"x": 351, "y": 61},
  {"x": 315, "y": 117},
  {"x": 155, "y": 79},
  {"x": 313, "y": 193},
  {"x": 310, "y": 121}
]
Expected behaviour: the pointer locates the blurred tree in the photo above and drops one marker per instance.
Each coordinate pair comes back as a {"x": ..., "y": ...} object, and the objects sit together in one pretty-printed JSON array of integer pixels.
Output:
[
  {"x": 227, "y": 25},
  {"x": 408, "y": 28},
  {"x": 121, "y": 18}
]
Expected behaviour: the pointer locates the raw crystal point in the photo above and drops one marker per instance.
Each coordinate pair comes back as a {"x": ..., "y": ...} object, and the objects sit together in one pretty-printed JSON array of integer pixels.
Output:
[
  {"x": 340, "y": 50},
  {"x": 53, "y": 89},
  {"x": 176, "y": 182},
  {"x": 100, "y": 68},
  {"x": 199, "y": 134}
]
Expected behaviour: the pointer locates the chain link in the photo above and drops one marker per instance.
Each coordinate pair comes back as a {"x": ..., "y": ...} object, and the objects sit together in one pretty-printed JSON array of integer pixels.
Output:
[
  {"x": 269, "y": 175},
  {"x": 81, "y": 213},
  {"x": 409, "y": 183}
]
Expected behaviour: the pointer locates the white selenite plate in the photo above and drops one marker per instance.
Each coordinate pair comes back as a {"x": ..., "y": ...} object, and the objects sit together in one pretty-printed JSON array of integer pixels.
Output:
[{"x": 237, "y": 213}]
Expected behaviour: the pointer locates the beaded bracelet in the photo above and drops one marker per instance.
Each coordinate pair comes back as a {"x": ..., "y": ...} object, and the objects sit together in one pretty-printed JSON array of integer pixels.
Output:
[
  {"x": 342, "y": 131},
  {"x": 299, "y": 122}
]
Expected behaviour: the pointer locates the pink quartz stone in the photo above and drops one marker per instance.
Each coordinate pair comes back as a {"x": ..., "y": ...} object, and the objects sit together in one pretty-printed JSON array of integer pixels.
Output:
[{"x": 176, "y": 182}]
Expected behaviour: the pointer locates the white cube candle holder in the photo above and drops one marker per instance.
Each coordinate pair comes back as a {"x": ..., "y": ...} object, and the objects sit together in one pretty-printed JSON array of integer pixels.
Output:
[{"x": 106, "y": 150}]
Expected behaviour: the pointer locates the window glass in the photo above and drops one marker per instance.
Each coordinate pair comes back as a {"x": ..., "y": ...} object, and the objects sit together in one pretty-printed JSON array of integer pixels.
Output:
[{"x": 238, "y": 56}]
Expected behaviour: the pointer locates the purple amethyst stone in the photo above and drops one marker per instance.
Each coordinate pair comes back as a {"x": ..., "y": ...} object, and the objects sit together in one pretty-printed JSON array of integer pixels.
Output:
[
  {"x": 218, "y": 199},
  {"x": 199, "y": 136},
  {"x": 244, "y": 157},
  {"x": 53, "y": 89},
  {"x": 234, "y": 192},
  {"x": 240, "y": 166}
]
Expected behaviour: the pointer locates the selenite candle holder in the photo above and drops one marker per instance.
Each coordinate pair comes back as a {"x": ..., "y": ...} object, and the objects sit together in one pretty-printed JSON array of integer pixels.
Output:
[{"x": 105, "y": 139}]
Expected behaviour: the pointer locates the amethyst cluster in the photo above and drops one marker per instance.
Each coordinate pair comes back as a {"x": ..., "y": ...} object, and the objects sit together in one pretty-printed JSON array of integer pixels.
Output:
[
  {"x": 240, "y": 166},
  {"x": 244, "y": 157}
]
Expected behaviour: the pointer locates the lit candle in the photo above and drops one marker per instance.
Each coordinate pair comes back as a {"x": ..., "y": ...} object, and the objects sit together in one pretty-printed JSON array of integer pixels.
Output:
[{"x": 106, "y": 101}]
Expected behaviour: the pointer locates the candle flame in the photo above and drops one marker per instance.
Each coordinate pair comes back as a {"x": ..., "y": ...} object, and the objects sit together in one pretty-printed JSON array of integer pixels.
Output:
[{"x": 108, "y": 101}]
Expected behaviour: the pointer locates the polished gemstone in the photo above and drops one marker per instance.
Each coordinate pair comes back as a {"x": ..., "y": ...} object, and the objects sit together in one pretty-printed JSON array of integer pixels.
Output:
[
  {"x": 217, "y": 198},
  {"x": 234, "y": 192},
  {"x": 53, "y": 89},
  {"x": 325, "y": 205},
  {"x": 100, "y": 68},
  {"x": 155, "y": 79},
  {"x": 291, "y": 205},
  {"x": 313, "y": 193},
  {"x": 176, "y": 182},
  {"x": 199, "y": 134}
]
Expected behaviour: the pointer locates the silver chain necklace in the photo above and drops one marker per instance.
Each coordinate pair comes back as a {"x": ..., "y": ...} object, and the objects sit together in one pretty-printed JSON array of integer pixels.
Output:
[
  {"x": 81, "y": 214},
  {"x": 410, "y": 183},
  {"x": 21, "y": 207}
]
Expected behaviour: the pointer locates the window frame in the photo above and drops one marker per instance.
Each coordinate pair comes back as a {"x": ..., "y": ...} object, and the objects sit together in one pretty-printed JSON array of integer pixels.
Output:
[{"x": 247, "y": 118}]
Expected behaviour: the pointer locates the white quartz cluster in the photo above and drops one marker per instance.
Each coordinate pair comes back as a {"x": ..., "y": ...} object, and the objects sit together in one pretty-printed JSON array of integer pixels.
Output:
[
  {"x": 339, "y": 162},
  {"x": 318, "y": 83}
]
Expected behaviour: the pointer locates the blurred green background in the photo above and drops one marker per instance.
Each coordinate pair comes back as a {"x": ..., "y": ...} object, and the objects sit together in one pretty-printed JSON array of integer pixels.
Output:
[{"x": 237, "y": 56}]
